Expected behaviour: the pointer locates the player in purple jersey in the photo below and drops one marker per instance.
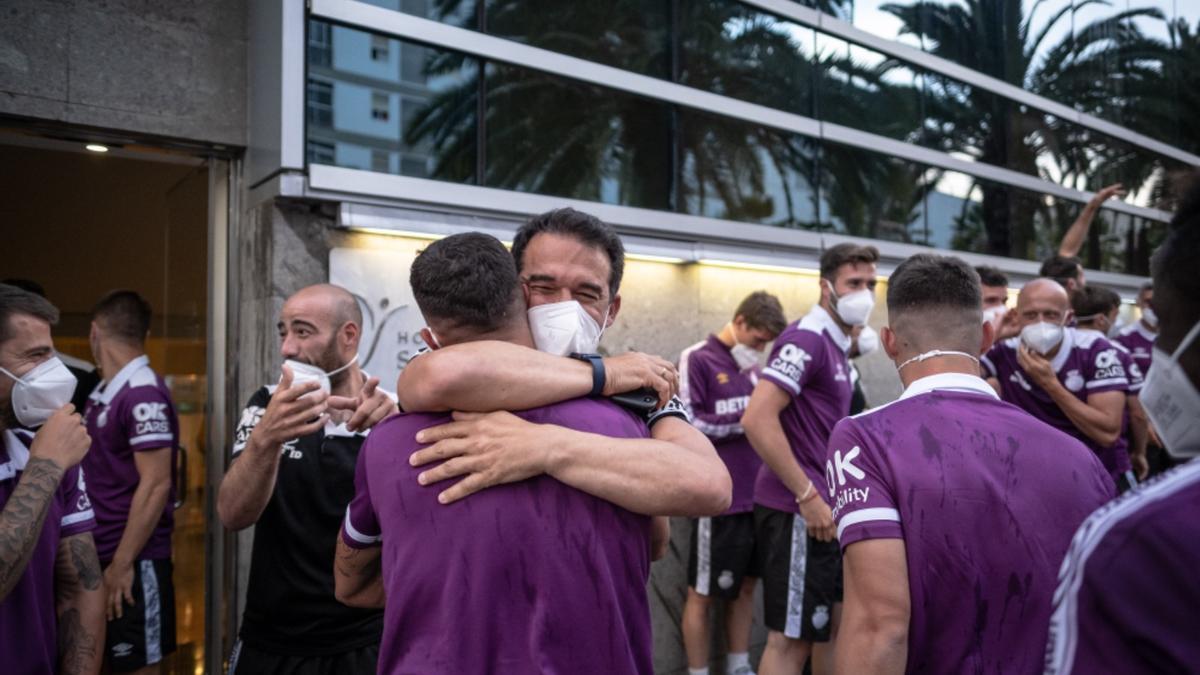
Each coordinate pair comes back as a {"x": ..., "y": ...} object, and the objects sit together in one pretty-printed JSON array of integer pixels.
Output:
[
  {"x": 1073, "y": 381},
  {"x": 571, "y": 265},
  {"x": 291, "y": 476},
  {"x": 530, "y": 576},
  {"x": 51, "y": 598},
  {"x": 1096, "y": 309},
  {"x": 1139, "y": 337},
  {"x": 804, "y": 390},
  {"x": 131, "y": 478},
  {"x": 953, "y": 508},
  {"x": 717, "y": 377},
  {"x": 1127, "y": 594}
]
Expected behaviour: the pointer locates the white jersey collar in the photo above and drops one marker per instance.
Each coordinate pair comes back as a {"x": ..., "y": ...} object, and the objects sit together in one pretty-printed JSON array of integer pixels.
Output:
[
  {"x": 117, "y": 382},
  {"x": 949, "y": 382},
  {"x": 818, "y": 319},
  {"x": 1064, "y": 351}
]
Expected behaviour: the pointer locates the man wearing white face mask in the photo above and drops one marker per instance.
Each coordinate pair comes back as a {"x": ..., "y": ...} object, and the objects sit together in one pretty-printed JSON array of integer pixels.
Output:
[
  {"x": 294, "y": 454},
  {"x": 1139, "y": 337},
  {"x": 51, "y": 597},
  {"x": 1073, "y": 381},
  {"x": 950, "y": 504},
  {"x": 804, "y": 390},
  {"x": 131, "y": 477},
  {"x": 994, "y": 285},
  {"x": 716, "y": 379},
  {"x": 1127, "y": 594}
]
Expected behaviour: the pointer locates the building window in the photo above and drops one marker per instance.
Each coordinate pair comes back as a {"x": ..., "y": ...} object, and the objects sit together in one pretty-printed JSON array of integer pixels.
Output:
[
  {"x": 320, "y": 43},
  {"x": 381, "y": 161},
  {"x": 413, "y": 166},
  {"x": 320, "y": 104},
  {"x": 379, "y": 48},
  {"x": 379, "y": 106},
  {"x": 320, "y": 152}
]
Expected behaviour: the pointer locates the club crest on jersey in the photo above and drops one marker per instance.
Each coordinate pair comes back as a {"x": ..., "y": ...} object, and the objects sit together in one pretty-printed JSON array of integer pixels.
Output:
[
  {"x": 841, "y": 373},
  {"x": 1074, "y": 381},
  {"x": 722, "y": 378},
  {"x": 102, "y": 418}
]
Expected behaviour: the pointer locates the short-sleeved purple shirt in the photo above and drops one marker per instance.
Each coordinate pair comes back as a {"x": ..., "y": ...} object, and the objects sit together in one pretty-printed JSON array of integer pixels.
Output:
[
  {"x": 986, "y": 499},
  {"x": 809, "y": 362},
  {"x": 131, "y": 412},
  {"x": 1127, "y": 595},
  {"x": 1140, "y": 343},
  {"x": 28, "y": 621},
  {"x": 1086, "y": 364},
  {"x": 527, "y": 577},
  {"x": 716, "y": 392}
]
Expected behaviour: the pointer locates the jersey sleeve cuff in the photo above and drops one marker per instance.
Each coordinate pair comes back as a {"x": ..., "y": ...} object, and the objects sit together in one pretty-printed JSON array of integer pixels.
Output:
[
  {"x": 784, "y": 382},
  {"x": 77, "y": 523},
  {"x": 873, "y": 523},
  {"x": 353, "y": 538}
]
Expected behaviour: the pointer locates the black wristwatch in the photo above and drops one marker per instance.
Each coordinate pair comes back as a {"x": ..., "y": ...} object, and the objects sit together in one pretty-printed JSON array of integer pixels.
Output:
[{"x": 597, "y": 362}]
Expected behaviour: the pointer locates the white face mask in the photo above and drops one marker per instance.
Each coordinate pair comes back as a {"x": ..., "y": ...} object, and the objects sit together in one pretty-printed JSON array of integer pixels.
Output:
[
  {"x": 563, "y": 328},
  {"x": 746, "y": 357},
  {"x": 1042, "y": 337},
  {"x": 1172, "y": 402},
  {"x": 868, "y": 341},
  {"x": 306, "y": 372},
  {"x": 1149, "y": 317},
  {"x": 44, "y": 389},
  {"x": 995, "y": 315},
  {"x": 854, "y": 308}
]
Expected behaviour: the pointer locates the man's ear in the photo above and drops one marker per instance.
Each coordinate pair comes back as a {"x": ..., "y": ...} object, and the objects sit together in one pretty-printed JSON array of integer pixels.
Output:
[
  {"x": 428, "y": 339},
  {"x": 613, "y": 309},
  {"x": 988, "y": 337},
  {"x": 888, "y": 339}
]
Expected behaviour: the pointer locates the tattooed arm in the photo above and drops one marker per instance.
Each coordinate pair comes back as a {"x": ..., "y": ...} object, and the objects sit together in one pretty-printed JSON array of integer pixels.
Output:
[
  {"x": 357, "y": 576},
  {"x": 21, "y": 521},
  {"x": 80, "y": 605}
]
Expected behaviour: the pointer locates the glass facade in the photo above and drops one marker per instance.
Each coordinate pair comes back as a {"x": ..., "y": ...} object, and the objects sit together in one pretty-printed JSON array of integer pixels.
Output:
[{"x": 379, "y": 103}]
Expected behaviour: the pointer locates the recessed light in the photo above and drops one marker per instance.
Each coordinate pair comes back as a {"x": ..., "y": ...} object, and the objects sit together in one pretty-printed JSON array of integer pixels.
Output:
[{"x": 96, "y": 147}]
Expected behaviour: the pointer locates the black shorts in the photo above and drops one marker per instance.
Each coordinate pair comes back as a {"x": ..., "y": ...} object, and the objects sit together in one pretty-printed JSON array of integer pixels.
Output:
[
  {"x": 247, "y": 660},
  {"x": 145, "y": 633},
  {"x": 802, "y": 577},
  {"x": 722, "y": 554}
]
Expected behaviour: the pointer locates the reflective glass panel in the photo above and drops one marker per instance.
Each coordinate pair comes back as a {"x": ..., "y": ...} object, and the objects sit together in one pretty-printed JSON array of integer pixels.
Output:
[{"x": 866, "y": 194}]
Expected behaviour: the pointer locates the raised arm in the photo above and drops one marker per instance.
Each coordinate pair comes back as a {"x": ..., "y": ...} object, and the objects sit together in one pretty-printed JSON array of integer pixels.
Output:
[
  {"x": 291, "y": 412},
  {"x": 874, "y": 630},
  {"x": 675, "y": 473},
  {"x": 1076, "y": 235},
  {"x": 59, "y": 445},
  {"x": 490, "y": 375},
  {"x": 79, "y": 603}
]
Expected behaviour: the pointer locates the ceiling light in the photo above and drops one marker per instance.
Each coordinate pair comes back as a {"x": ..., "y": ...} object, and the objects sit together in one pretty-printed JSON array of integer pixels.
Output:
[{"x": 96, "y": 147}]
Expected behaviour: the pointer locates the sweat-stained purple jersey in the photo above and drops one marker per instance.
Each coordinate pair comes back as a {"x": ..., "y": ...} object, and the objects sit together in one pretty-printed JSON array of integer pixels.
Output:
[
  {"x": 1086, "y": 364},
  {"x": 1127, "y": 595},
  {"x": 131, "y": 412},
  {"x": 986, "y": 499},
  {"x": 809, "y": 362},
  {"x": 527, "y": 577},
  {"x": 716, "y": 392},
  {"x": 1139, "y": 341},
  {"x": 28, "y": 621}
]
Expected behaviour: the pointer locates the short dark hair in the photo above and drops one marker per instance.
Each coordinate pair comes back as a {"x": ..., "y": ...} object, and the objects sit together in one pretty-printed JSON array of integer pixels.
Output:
[
  {"x": 583, "y": 227},
  {"x": 941, "y": 295},
  {"x": 1092, "y": 300},
  {"x": 842, "y": 254},
  {"x": 1176, "y": 283},
  {"x": 991, "y": 276},
  {"x": 125, "y": 315},
  {"x": 26, "y": 285},
  {"x": 467, "y": 279},
  {"x": 1060, "y": 268},
  {"x": 762, "y": 311},
  {"x": 14, "y": 300}
]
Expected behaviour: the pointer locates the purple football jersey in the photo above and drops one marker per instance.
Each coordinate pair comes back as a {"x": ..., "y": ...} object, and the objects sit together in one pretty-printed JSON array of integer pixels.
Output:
[
  {"x": 716, "y": 392},
  {"x": 1139, "y": 341},
  {"x": 986, "y": 499},
  {"x": 1086, "y": 364},
  {"x": 28, "y": 622},
  {"x": 131, "y": 412},
  {"x": 528, "y": 577},
  {"x": 1127, "y": 594},
  {"x": 809, "y": 362}
]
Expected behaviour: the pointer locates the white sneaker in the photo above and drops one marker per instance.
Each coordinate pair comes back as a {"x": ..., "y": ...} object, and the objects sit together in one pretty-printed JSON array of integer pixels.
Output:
[{"x": 743, "y": 670}]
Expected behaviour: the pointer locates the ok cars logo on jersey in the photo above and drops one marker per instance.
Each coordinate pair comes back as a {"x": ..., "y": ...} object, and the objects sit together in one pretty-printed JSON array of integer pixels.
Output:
[
  {"x": 1108, "y": 365},
  {"x": 791, "y": 361},
  {"x": 151, "y": 418}
]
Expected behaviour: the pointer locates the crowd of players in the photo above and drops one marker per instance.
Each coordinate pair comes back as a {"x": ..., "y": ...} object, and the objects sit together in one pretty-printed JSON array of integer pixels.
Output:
[{"x": 506, "y": 521}]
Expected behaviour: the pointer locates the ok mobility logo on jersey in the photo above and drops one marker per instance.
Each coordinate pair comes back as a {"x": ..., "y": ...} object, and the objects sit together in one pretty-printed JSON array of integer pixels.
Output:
[
  {"x": 791, "y": 362},
  {"x": 835, "y": 474},
  {"x": 151, "y": 418}
]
